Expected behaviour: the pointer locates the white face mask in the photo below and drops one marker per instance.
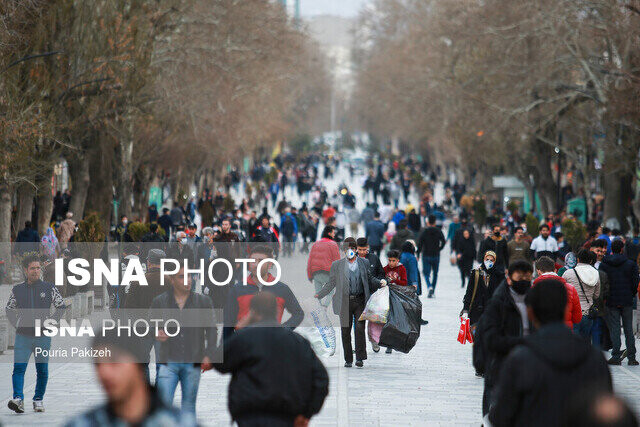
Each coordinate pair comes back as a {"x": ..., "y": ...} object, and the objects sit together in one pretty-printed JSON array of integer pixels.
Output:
[
  {"x": 183, "y": 240},
  {"x": 351, "y": 254},
  {"x": 488, "y": 264}
]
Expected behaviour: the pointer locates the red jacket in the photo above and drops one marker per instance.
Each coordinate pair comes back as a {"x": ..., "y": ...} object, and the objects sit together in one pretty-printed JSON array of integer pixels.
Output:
[
  {"x": 573, "y": 312},
  {"x": 323, "y": 253},
  {"x": 396, "y": 275}
]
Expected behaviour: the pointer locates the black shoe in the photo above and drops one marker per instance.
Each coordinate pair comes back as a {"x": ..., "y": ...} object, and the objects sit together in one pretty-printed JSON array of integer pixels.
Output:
[
  {"x": 624, "y": 354},
  {"x": 388, "y": 351},
  {"x": 424, "y": 322},
  {"x": 359, "y": 364},
  {"x": 633, "y": 362},
  {"x": 479, "y": 375},
  {"x": 614, "y": 361},
  {"x": 348, "y": 364}
]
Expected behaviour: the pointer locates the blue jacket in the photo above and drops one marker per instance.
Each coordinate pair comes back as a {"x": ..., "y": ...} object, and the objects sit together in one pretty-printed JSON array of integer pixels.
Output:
[
  {"x": 399, "y": 216},
  {"x": 411, "y": 265},
  {"x": 293, "y": 219},
  {"x": 28, "y": 302},
  {"x": 374, "y": 231},
  {"x": 27, "y": 235},
  {"x": 623, "y": 279}
]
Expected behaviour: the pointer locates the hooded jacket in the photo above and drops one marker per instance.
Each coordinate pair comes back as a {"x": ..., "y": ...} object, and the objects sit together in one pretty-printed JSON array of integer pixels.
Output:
[
  {"x": 623, "y": 279},
  {"x": 590, "y": 282},
  {"x": 538, "y": 378}
]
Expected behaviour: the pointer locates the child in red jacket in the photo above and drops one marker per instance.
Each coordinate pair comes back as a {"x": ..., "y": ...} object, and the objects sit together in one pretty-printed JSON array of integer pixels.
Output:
[{"x": 395, "y": 272}]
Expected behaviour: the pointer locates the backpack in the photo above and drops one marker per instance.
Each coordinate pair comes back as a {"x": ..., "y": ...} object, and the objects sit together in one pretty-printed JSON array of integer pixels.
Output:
[{"x": 287, "y": 226}]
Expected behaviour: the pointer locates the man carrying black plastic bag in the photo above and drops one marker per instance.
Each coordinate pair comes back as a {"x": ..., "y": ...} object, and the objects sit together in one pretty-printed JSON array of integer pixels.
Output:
[{"x": 402, "y": 329}]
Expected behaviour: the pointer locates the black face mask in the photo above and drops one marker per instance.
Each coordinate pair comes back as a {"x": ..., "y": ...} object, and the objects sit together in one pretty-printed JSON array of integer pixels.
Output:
[
  {"x": 521, "y": 286},
  {"x": 497, "y": 234}
]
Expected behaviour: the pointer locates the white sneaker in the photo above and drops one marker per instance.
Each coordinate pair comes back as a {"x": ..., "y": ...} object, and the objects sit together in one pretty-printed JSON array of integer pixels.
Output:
[
  {"x": 38, "y": 406},
  {"x": 16, "y": 405}
]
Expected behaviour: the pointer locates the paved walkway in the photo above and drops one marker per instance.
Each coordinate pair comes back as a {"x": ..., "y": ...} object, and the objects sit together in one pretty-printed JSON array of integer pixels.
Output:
[{"x": 432, "y": 385}]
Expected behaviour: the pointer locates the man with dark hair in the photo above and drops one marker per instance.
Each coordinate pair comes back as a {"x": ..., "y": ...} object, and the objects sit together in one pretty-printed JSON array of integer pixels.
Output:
[
  {"x": 402, "y": 235},
  {"x": 30, "y": 301},
  {"x": 544, "y": 244},
  {"x": 498, "y": 244},
  {"x": 504, "y": 323},
  {"x": 375, "y": 266},
  {"x": 130, "y": 398},
  {"x": 354, "y": 284},
  {"x": 623, "y": 282},
  {"x": 599, "y": 248},
  {"x": 27, "y": 239},
  {"x": 550, "y": 365},
  {"x": 287, "y": 382},
  {"x": 606, "y": 236},
  {"x": 240, "y": 295},
  {"x": 430, "y": 244},
  {"x": 183, "y": 356},
  {"x": 545, "y": 268},
  {"x": 518, "y": 247},
  {"x": 165, "y": 222}
]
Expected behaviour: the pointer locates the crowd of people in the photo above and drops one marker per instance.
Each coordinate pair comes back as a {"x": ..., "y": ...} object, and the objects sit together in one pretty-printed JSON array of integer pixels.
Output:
[{"x": 540, "y": 310}]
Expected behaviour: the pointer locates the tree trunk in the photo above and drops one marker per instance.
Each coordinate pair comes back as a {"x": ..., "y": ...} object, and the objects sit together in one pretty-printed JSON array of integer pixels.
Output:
[
  {"x": 100, "y": 192},
  {"x": 25, "y": 206},
  {"x": 547, "y": 188},
  {"x": 44, "y": 202},
  {"x": 5, "y": 222},
  {"x": 79, "y": 172}
]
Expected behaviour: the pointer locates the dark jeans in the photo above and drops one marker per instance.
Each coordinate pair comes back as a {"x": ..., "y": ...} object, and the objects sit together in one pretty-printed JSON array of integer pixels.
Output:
[
  {"x": 429, "y": 264},
  {"x": 356, "y": 306},
  {"x": 584, "y": 327},
  {"x": 613, "y": 323}
]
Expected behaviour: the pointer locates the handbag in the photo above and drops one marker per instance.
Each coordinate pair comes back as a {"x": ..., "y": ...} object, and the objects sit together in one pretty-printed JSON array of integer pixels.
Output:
[{"x": 593, "y": 310}]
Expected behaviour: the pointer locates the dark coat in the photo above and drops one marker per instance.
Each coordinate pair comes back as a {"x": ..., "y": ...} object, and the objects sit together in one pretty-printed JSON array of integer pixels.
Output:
[
  {"x": 431, "y": 242},
  {"x": 274, "y": 372},
  {"x": 623, "y": 279},
  {"x": 539, "y": 377},
  {"x": 375, "y": 266},
  {"x": 497, "y": 246},
  {"x": 466, "y": 248},
  {"x": 400, "y": 237},
  {"x": 501, "y": 330},
  {"x": 488, "y": 282}
]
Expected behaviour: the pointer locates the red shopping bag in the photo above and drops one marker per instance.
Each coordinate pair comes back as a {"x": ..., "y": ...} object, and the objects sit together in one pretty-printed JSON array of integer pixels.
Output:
[
  {"x": 464, "y": 330},
  {"x": 464, "y": 334}
]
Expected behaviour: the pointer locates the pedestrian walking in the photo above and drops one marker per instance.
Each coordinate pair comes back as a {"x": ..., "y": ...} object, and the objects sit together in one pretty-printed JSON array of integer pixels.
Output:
[
  {"x": 430, "y": 244},
  {"x": 29, "y": 302},
  {"x": 323, "y": 253},
  {"x": 538, "y": 376},
  {"x": 623, "y": 282},
  {"x": 465, "y": 255},
  {"x": 497, "y": 243},
  {"x": 276, "y": 378},
  {"x": 544, "y": 244},
  {"x": 354, "y": 285}
]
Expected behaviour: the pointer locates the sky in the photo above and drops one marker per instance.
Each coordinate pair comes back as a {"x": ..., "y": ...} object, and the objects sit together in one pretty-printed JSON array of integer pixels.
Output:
[{"x": 346, "y": 8}]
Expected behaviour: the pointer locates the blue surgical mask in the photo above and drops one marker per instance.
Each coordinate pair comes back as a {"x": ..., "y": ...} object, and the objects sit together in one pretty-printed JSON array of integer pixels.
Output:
[{"x": 488, "y": 264}]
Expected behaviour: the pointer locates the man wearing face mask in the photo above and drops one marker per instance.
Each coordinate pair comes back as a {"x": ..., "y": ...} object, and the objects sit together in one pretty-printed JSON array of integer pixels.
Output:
[
  {"x": 498, "y": 244},
  {"x": 504, "y": 323},
  {"x": 354, "y": 285},
  {"x": 180, "y": 250}
]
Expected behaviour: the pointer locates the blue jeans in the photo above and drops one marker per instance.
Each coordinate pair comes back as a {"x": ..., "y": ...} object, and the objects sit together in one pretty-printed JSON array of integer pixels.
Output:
[
  {"x": 584, "y": 327},
  {"x": 596, "y": 332},
  {"x": 25, "y": 346},
  {"x": 430, "y": 263},
  {"x": 188, "y": 375},
  {"x": 613, "y": 323}
]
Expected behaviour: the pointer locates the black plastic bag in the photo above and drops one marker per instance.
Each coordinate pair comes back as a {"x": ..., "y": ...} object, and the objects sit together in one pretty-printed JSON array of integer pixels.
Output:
[{"x": 402, "y": 329}]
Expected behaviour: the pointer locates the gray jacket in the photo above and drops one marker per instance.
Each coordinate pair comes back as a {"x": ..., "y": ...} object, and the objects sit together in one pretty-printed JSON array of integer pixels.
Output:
[{"x": 339, "y": 279}]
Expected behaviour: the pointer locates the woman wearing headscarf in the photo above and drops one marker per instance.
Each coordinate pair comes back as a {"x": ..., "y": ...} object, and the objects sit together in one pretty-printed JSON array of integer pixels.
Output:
[
  {"x": 466, "y": 253},
  {"x": 483, "y": 281},
  {"x": 49, "y": 244}
]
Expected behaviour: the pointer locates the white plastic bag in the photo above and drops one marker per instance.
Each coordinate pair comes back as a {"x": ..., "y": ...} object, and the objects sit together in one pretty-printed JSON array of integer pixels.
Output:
[
  {"x": 377, "y": 308},
  {"x": 317, "y": 328}
]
